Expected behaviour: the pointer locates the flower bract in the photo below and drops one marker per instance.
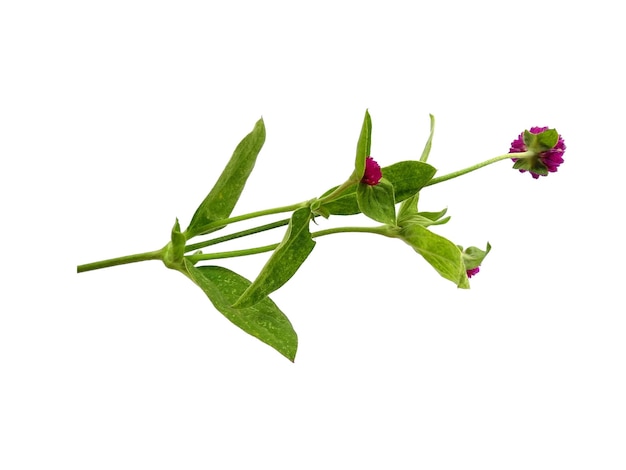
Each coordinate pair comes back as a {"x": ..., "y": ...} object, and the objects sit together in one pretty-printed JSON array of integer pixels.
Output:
[{"x": 547, "y": 147}]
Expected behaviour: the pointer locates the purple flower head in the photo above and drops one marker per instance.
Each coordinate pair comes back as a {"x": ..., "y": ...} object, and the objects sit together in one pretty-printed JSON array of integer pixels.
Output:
[
  {"x": 372, "y": 174},
  {"x": 472, "y": 272},
  {"x": 544, "y": 159}
]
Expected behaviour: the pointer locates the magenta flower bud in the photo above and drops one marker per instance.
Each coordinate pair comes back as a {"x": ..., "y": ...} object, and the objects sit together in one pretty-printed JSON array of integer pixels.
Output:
[
  {"x": 372, "y": 174},
  {"x": 544, "y": 160},
  {"x": 472, "y": 272}
]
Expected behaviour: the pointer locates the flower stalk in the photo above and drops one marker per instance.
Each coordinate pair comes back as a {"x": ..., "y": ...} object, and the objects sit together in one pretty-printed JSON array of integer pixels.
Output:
[{"x": 472, "y": 168}]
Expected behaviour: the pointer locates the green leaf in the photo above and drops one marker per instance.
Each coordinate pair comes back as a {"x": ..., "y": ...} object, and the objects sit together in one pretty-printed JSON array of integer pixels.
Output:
[
  {"x": 377, "y": 202},
  {"x": 429, "y": 142},
  {"x": 441, "y": 253},
  {"x": 363, "y": 146},
  {"x": 408, "y": 210},
  {"x": 473, "y": 257},
  {"x": 175, "y": 249},
  {"x": 434, "y": 216},
  {"x": 346, "y": 204},
  {"x": 264, "y": 320},
  {"x": 178, "y": 241},
  {"x": 408, "y": 177},
  {"x": 425, "y": 219},
  {"x": 221, "y": 201},
  {"x": 284, "y": 262}
]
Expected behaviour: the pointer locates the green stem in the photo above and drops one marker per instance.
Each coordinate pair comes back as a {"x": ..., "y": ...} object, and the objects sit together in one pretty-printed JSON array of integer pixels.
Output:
[
  {"x": 339, "y": 190},
  {"x": 224, "y": 222},
  {"x": 479, "y": 165},
  {"x": 381, "y": 230},
  {"x": 231, "y": 254},
  {"x": 158, "y": 254},
  {"x": 233, "y": 236},
  {"x": 149, "y": 255}
]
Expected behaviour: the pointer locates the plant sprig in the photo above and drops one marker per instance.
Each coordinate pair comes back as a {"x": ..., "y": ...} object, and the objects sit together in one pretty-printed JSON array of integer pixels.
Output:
[{"x": 388, "y": 196}]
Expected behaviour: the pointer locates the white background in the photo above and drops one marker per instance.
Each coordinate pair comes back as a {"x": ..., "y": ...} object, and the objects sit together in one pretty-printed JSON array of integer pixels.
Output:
[{"x": 116, "y": 117}]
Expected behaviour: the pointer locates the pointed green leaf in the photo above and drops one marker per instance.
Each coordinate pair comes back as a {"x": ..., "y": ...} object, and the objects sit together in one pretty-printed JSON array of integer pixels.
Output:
[
  {"x": 377, "y": 202},
  {"x": 221, "y": 201},
  {"x": 409, "y": 215},
  {"x": 284, "y": 262},
  {"x": 178, "y": 241},
  {"x": 441, "y": 253},
  {"x": 429, "y": 142},
  {"x": 363, "y": 146},
  {"x": 473, "y": 257},
  {"x": 422, "y": 220},
  {"x": 463, "y": 282},
  {"x": 345, "y": 204},
  {"x": 175, "y": 251},
  {"x": 408, "y": 177},
  {"x": 434, "y": 216},
  {"x": 263, "y": 320},
  {"x": 408, "y": 209}
]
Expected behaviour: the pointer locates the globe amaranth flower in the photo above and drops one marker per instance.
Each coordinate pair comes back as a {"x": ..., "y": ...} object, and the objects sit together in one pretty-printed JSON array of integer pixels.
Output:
[
  {"x": 547, "y": 149},
  {"x": 473, "y": 271},
  {"x": 373, "y": 173}
]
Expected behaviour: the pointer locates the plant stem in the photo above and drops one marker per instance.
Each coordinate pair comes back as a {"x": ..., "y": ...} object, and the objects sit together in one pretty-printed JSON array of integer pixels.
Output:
[
  {"x": 251, "y": 215},
  {"x": 158, "y": 254},
  {"x": 381, "y": 230},
  {"x": 149, "y": 255},
  {"x": 233, "y": 236},
  {"x": 339, "y": 190},
  {"x": 231, "y": 254},
  {"x": 454, "y": 174}
]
